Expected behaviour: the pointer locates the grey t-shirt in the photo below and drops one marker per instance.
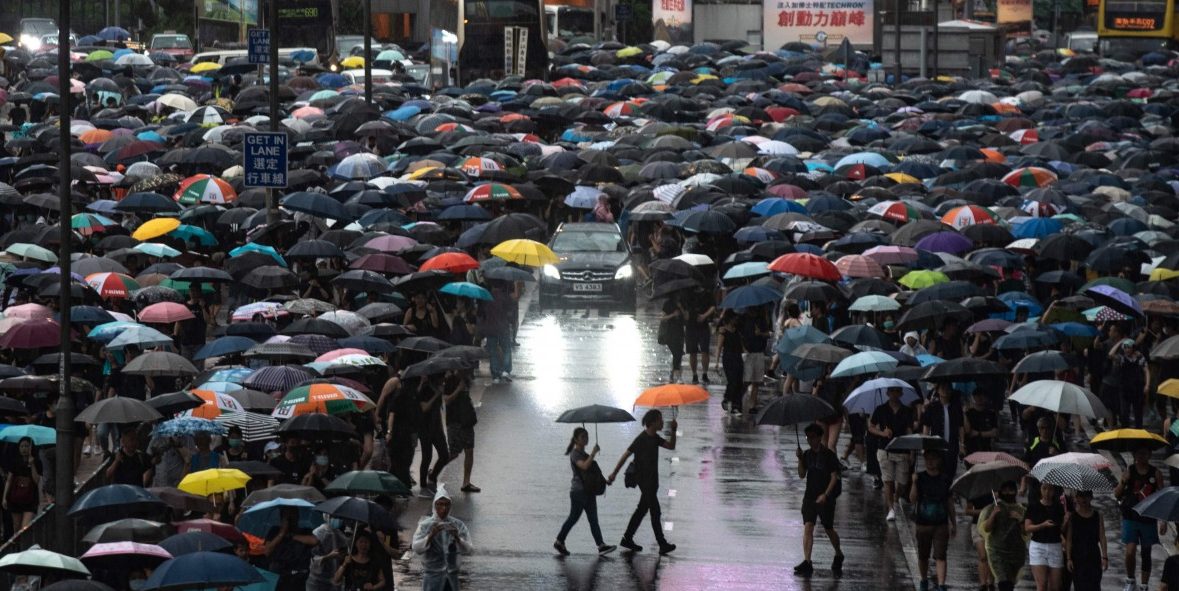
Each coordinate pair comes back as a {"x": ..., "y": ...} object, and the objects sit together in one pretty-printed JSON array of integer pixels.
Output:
[{"x": 575, "y": 456}]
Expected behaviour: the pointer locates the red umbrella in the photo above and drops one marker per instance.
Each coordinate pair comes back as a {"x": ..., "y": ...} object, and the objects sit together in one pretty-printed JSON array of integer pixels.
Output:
[
  {"x": 32, "y": 334},
  {"x": 165, "y": 313},
  {"x": 805, "y": 264},
  {"x": 453, "y": 262},
  {"x": 223, "y": 530}
]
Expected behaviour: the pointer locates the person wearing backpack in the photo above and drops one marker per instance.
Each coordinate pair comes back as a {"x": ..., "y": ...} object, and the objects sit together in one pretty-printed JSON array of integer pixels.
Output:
[
  {"x": 586, "y": 485},
  {"x": 821, "y": 468},
  {"x": 933, "y": 513}
]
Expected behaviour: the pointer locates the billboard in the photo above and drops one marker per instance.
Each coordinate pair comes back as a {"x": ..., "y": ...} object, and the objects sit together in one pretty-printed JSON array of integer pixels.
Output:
[
  {"x": 671, "y": 21},
  {"x": 1014, "y": 11},
  {"x": 232, "y": 11},
  {"x": 817, "y": 22}
]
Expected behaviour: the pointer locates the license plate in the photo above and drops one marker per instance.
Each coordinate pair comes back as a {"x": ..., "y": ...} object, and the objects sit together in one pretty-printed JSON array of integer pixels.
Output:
[{"x": 587, "y": 287}]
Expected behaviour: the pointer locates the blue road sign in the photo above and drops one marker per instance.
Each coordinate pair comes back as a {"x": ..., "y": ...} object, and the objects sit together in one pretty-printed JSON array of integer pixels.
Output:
[
  {"x": 266, "y": 159},
  {"x": 259, "y": 46}
]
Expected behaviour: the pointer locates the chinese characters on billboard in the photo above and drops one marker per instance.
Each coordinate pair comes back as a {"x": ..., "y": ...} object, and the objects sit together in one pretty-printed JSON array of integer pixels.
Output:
[
  {"x": 817, "y": 22},
  {"x": 672, "y": 20}
]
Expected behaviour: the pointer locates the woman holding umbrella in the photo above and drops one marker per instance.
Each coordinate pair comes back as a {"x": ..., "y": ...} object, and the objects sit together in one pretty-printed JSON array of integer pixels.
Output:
[
  {"x": 580, "y": 499},
  {"x": 359, "y": 572},
  {"x": 20, "y": 488}
]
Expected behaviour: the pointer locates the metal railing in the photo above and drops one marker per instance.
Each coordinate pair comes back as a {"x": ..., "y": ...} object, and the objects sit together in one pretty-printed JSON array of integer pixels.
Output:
[{"x": 40, "y": 531}]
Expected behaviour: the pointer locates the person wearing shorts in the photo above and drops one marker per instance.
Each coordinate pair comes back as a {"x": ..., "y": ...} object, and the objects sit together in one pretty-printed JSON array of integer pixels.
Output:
[
  {"x": 933, "y": 514},
  {"x": 820, "y": 467},
  {"x": 890, "y": 420},
  {"x": 1045, "y": 522},
  {"x": 754, "y": 333},
  {"x": 1140, "y": 480}
]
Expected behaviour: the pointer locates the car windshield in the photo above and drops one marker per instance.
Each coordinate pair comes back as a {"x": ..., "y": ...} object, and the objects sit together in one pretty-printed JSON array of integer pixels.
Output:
[
  {"x": 171, "y": 43},
  {"x": 587, "y": 242},
  {"x": 39, "y": 27}
]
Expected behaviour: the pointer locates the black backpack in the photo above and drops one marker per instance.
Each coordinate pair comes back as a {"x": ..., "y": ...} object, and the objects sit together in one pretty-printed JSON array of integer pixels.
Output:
[{"x": 592, "y": 479}]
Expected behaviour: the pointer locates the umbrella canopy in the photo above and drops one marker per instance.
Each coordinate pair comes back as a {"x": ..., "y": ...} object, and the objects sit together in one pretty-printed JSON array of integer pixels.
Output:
[
  {"x": 982, "y": 479},
  {"x": 671, "y": 395},
  {"x": 214, "y": 480},
  {"x": 118, "y": 409},
  {"x": 1127, "y": 440},
  {"x": 1073, "y": 476},
  {"x": 201, "y": 570},
  {"x": 375, "y": 482},
  {"x": 1061, "y": 397},
  {"x": 117, "y": 501},
  {"x": 37, "y": 561}
]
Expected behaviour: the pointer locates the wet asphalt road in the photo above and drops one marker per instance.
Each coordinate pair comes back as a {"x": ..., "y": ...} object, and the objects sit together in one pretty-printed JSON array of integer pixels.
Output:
[{"x": 729, "y": 494}]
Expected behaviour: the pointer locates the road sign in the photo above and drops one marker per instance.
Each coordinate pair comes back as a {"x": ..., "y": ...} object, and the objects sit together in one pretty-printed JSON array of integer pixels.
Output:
[
  {"x": 259, "y": 46},
  {"x": 622, "y": 12},
  {"x": 266, "y": 159}
]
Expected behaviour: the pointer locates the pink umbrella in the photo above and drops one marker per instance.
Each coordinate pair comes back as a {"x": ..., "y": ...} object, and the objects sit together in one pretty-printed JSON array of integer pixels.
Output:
[
  {"x": 29, "y": 311},
  {"x": 391, "y": 243},
  {"x": 165, "y": 313},
  {"x": 891, "y": 255},
  {"x": 858, "y": 265},
  {"x": 121, "y": 555},
  {"x": 34, "y": 334},
  {"x": 332, "y": 355}
]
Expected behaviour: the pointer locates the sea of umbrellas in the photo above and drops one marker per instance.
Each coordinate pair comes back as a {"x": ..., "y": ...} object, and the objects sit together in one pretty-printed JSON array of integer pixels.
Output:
[{"x": 1030, "y": 206}]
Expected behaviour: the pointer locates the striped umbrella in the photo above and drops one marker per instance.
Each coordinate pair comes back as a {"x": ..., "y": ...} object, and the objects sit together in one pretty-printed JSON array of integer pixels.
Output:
[
  {"x": 204, "y": 188},
  {"x": 858, "y": 265},
  {"x": 896, "y": 211},
  {"x": 1030, "y": 176},
  {"x": 321, "y": 398},
  {"x": 215, "y": 404},
  {"x": 891, "y": 255},
  {"x": 277, "y": 378},
  {"x": 477, "y": 165},
  {"x": 254, "y": 426},
  {"x": 492, "y": 192},
  {"x": 112, "y": 285},
  {"x": 968, "y": 215}
]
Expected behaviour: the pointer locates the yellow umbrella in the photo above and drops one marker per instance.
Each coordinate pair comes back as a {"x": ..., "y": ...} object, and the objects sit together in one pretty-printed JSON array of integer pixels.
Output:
[
  {"x": 629, "y": 51},
  {"x": 903, "y": 178},
  {"x": 1163, "y": 274},
  {"x": 525, "y": 252},
  {"x": 204, "y": 67},
  {"x": 1124, "y": 440},
  {"x": 1170, "y": 388},
  {"x": 5, "y": 39},
  {"x": 353, "y": 62},
  {"x": 213, "y": 481},
  {"x": 155, "y": 228}
]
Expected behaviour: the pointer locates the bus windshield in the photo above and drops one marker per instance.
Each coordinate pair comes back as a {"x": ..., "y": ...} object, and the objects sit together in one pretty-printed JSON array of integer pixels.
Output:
[{"x": 506, "y": 11}]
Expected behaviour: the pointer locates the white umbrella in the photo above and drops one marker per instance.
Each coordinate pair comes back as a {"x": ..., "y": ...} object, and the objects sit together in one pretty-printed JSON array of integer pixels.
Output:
[
  {"x": 1061, "y": 397},
  {"x": 352, "y": 322},
  {"x": 864, "y": 363},
  {"x": 37, "y": 561},
  {"x": 696, "y": 260},
  {"x": 873, "y": 393}
]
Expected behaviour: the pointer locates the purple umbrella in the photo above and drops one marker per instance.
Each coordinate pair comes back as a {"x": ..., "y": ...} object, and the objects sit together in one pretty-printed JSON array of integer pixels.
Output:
[
  {"x": 945, "y": 241},
  {"x": 988, "y": 325},
  {"x": 277, "y": 378},
  {"x": 1115, "y": 299}
]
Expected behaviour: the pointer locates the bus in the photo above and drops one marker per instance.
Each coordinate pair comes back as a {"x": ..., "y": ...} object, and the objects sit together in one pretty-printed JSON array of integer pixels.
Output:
[
  {"x": 1135, "y": 27},
  {"x": 493, "y": 39}
]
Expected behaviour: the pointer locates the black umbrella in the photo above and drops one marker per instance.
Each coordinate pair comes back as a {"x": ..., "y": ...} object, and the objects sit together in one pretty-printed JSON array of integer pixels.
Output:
[
  {"x": 174, "y": 402},
  {"x": 271, "y": 277},
  {"x": 202, "y": 275},
  {"x": 326, "y": 328},
  {"x": 595, "y": 413},
  {"x": 916, "y": 443},
  {"x": 435, "y": 365},
  {"x": 317, "y": 426},
  {"x": 931, "y": 314},
  {"x": 423, "y": 344},
  {"x": 256, "y": 469},
  {"x": 361, "y": 280},
  {"x": 674, "y": 286},
  {"x": 962, "y": 369},
  {"x": 118, "y": 409},
  {"x": 127, "y": 530},
  {"x": 195, "y": 541},
  {"x": 360, "y": 511},
  {"x": 793, "y": 409}
]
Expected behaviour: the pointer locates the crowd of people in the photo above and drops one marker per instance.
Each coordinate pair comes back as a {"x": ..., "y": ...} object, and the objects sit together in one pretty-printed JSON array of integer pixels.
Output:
[{"x": 970, "y": 265}]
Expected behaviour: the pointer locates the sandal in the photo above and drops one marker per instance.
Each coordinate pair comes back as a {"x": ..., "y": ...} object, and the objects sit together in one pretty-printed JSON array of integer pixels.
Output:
[{"x": 470, "y": 488}]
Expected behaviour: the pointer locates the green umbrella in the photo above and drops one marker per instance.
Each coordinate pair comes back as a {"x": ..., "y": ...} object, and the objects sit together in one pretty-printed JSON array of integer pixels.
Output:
[
  {"x": 100, "y": 55},
  {"x": 375, "y": 482},
  {"x": 153, "y": 249},
  {"x": 37, "y": 561},
  {"x": 31, "y": 251}
]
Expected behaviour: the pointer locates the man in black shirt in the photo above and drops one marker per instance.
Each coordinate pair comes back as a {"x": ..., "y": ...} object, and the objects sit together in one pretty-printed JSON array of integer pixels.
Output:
[
  {"x": 821, "y": 469},
  {"x": 292, "y": 463},
  {"x": 943, "y": 418},
  {"x": 889, "y": 421},
  {"x": 130, "y": 465},
  {"x": 701, "y": 307},
  {"x": 645, "y": 448}
]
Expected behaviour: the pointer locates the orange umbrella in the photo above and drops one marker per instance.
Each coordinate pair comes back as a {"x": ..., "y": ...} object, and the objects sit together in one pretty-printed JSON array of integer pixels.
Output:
[{"x": 673, "y": 395}]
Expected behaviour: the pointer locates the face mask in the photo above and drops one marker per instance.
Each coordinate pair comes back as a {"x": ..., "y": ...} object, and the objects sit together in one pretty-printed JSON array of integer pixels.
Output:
[
  {"x": 235, "y": 442},
  {"x": 321, "y": 460}
]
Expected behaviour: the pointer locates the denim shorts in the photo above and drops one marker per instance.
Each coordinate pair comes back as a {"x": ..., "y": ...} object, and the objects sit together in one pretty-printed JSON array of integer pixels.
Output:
[{"x": 1139, "y": 532}]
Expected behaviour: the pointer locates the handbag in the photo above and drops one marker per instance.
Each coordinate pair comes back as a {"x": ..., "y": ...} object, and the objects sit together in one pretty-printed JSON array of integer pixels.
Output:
[
  {"x": 22, "y": 491},
  {"x": 592, "y": 479},
  {"x": 630, "y": 478}
]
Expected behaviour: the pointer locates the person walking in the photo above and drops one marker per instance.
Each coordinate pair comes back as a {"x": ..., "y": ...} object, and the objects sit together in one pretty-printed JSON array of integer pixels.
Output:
[
  {"x": 331, "y": 546},
  {"x": 671, "y": 333},
  {"x": 494, "y": 326},
  {"x": 431, "y": 434},
  {"x": 1001, "y": 524},
  {"x": 700, "y": 308},
  {"x": 1045, "y": 521},
  {"x": 731, "y": 351},
  {"x": 1130, "y": 369},
  {"x": 1085, "y": 550},
  {"x": 1140, "y": 480},
  {"x": 581, "y": 500},
  {"x": 645, "y": 449},
  {"x": 943, "y": 418},
  {"x": 460, "y": 424},
  {"x": 891, "y": 420},
  {"x": 359, "y": 571},
  {"x": 439, "y": 540},
  {"x": 820, "y": 467},
  {"x": 933, "y": 513}
]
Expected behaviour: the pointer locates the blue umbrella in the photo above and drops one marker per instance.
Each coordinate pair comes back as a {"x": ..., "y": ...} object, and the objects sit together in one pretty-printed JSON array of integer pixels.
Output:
[
  {"x": 1075, "y": 329},
  {"x": 189, "y": 426},
  {"x": 262, "y": 248},
  {"x": 222, "y": 346},
  {"x": 794, "y": 337},
  {"x": 749, "y": 296},
  {"x": 1037, "y": 228},
  {"x": 752, "y": 234},
  {"x": 40, "y": 435},
  {"x": 139, "y": 336},
  {"x": 464, "y": 289},
  {"x": 154, "y": 249},
  {"x": 90, "y": 315},
  {"x": 103, "y": 333},
  {"x": 201, "y": 570},
  {"x": 258, "y": 520},
  {"x": 268, "y": 583},
  {"x": 465, "y": 212},
  {"x": 117, "y": 501},
  {"x": 114, "y": 34},
  {"x": 317, "y": 205},
  {"x": 864, "y": 363},
  {"x": 196, "y": 234},
  {"x": 745, "y": 270},
  {"x": 194, "y": 541},
  {"x": 775, "y": 205},
  {"x": 403, "y": 113},
  {"x": 1116, "y": 299},
  {"x": 232, "y": 373}
]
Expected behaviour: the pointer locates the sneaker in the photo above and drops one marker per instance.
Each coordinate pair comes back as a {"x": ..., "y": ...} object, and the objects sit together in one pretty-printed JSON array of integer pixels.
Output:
[
  {"x": 1131, "y": 585},
  {"x": 804, "y": 568},
  {"x": 605, "y": 549},
  {"x": 560, "y": 548},
  {"x": 507, "y": 377},
  {"x": 837, "y": 565},
  {"x": 630, "y": 544},
  {"x": 695, "y": 379},
  {"x": 924, "y": 586},
  {"x": 86, "y": 450},
  {"x": 725, "y": 405},
  {"x": 1144, "y": 587},
  {"x": 892, "y": 515},
  {"x": 666, "y": 548},
  {"x": 878, "y": 484},
  {"x": 496, "y": 380},
  {"x": 706, "y": 379}
]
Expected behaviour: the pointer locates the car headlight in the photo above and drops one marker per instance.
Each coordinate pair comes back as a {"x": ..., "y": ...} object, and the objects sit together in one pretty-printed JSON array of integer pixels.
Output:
[
  {"x": 551, "y": 272},
  {"x": 624, "y": 272},
  {"x": 30, "y": 42}
]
